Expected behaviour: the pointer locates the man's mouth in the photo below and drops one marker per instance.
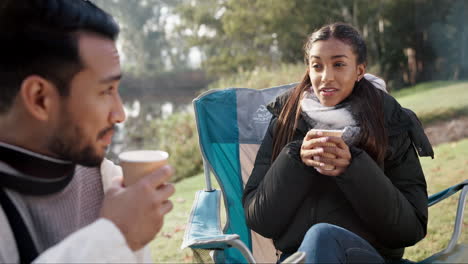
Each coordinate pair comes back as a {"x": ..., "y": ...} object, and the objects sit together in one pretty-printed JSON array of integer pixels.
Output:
[{"x": 106, "y": 135}]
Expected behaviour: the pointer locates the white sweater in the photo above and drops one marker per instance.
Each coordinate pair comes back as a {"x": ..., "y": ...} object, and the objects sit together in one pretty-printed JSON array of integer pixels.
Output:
[{"x": 99, "y": 242}]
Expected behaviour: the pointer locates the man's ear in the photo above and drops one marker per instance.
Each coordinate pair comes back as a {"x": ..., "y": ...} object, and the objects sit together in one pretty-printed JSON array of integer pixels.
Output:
[{"x": 39, "y": 97}]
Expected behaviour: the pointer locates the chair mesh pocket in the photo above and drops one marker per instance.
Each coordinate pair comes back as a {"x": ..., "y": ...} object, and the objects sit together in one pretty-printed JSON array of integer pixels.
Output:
[{"x": 203, "y": 255}]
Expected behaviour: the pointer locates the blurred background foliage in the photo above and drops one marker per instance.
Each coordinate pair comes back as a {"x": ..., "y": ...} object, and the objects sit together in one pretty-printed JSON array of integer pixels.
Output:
[
  {"x": 409, "y": 41},
  {"x": 174, "y": 49}
]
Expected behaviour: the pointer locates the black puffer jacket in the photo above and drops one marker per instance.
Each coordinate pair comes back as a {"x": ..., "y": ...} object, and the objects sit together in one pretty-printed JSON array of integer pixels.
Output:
[{"x": 386, "y": 206}]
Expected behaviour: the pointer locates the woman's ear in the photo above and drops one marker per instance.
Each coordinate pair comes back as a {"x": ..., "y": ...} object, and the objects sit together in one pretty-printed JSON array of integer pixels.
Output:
[
  {"x": 38, "y": 96},
  {"x": 361, "y": 70}
]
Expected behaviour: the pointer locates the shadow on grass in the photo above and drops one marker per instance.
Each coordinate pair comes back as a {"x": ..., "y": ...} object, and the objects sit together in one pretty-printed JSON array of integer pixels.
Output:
[{"x": 444, "y": 115}]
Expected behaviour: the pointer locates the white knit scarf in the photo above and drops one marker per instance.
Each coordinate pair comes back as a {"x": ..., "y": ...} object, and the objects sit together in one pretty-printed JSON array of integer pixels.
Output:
[{"x": 337, "y": 117}]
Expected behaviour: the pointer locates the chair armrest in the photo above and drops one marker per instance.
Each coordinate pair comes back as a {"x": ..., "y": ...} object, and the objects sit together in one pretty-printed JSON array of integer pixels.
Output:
[
  {"x": 435, "y": 198},
  {"x": 204, "y": 225},
  {"x": 298, "y": 257},
  {"x": 452, "y": 245}
]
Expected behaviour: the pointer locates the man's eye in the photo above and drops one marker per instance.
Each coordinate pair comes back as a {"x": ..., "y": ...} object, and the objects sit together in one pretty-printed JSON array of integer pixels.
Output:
[{"x": 109, "y": 90}]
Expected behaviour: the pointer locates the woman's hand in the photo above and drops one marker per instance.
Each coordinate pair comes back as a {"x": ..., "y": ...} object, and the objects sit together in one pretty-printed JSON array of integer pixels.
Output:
[{"x": 317, "y": 152}]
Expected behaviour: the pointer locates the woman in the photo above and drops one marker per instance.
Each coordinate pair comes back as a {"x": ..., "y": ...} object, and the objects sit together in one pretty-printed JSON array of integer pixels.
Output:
[{"x": 373, "y": 201}]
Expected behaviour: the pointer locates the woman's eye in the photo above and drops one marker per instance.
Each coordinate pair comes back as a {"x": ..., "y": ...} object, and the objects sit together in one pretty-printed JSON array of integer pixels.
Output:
[
  {"x": 340, "y": 64},
  {"x": 316, "y": 66}
]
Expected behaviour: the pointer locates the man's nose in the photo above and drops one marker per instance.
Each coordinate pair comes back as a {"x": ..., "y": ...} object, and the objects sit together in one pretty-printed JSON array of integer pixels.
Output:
[{"x": 117, "y": 114}]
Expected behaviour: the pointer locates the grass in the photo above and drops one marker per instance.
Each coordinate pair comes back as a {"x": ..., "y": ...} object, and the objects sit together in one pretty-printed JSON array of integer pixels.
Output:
[
  {"x": 448, "y": 168},
  {"x": 422, "y": 87},
  {"x": 436, "y": 101},
  {"x": 166, "y": 246},
  {"x": 432, "y": 101}
]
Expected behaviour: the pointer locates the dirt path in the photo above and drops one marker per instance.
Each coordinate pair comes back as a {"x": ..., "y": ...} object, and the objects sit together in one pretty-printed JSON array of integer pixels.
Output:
[{"x": 446, "y": 131}]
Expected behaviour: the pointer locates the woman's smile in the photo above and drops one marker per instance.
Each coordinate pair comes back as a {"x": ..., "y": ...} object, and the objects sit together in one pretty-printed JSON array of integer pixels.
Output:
[{"x": 328, "y": 91}]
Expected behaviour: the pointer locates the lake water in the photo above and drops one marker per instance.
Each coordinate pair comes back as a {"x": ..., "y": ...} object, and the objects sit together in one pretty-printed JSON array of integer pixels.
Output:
[{"x": 148, "y": 110}]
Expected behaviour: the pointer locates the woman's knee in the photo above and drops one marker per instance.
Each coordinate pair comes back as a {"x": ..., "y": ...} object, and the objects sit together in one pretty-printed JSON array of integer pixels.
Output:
[{"x": 321, "y": 231}]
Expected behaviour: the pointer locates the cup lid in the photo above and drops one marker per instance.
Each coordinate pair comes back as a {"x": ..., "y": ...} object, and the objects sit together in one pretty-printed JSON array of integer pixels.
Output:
[
  {"x": 143, "y": 155},
  {"x": 329, "y": 130}
]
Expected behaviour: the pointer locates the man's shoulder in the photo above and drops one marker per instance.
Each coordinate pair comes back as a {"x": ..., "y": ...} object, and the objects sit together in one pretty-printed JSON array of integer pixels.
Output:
[{"x": 107, "y": 170}]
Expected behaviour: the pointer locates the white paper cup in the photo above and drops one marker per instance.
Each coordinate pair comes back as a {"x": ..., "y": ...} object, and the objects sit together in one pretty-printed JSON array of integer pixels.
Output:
[
  {"x": 138, "y": 163},
  {"x": 329, "y": 133}
]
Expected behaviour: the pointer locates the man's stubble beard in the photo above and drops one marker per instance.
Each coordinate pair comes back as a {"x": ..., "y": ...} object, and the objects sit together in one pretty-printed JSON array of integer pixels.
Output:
[{"x": 70, "y": 143}]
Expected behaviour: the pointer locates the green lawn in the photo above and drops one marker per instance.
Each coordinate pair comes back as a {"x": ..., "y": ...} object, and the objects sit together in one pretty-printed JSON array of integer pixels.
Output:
[
  {"x": 422, "y": 87},
  {"x": 166, "y": 246},
  {"x": 436, "y": 100},
  {"x": 448, "y": 168}
]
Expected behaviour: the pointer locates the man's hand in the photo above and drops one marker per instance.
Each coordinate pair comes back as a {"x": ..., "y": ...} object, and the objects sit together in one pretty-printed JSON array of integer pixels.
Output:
[
  {"x": 317, "y": 152},
  {"x": 138, "y": 210}
]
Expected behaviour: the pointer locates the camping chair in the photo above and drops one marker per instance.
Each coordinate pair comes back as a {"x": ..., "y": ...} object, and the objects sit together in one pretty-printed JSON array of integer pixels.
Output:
[{"x": 231, "y": 124}]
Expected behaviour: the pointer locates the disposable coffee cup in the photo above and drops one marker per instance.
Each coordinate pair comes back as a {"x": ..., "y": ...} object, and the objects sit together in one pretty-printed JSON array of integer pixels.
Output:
[
  {"x": 329, "y": 133},
  {"x": 139, "y": 163}
]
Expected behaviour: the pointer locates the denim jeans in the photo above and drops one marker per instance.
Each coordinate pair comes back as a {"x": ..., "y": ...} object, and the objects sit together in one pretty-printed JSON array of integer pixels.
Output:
[{"x": 326, "y": 243}]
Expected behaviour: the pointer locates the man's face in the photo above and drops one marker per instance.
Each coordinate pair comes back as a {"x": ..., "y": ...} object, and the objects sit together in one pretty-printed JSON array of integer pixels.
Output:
[{"x": 86, "y": 122}]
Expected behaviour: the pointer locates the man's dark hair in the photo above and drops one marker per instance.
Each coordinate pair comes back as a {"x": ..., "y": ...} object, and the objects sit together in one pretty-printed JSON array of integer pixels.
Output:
[{"x": 38, "y": 37}]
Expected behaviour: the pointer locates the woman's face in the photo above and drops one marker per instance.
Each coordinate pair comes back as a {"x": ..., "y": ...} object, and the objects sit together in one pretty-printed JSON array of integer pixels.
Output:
[{"x": 333, "y": 70}]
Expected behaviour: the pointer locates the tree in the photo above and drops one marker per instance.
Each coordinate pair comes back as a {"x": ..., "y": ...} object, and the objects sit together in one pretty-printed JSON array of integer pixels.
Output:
[
  {"x": 450, "y": 43},
  {"x": 148, "y": 46},
  {"x": 242, "y": 34},
  {"x": 409, "y": 41}
]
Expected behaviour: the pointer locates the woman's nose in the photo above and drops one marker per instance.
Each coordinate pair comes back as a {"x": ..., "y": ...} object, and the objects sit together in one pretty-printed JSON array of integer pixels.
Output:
[{"x": 328, "y": 75}]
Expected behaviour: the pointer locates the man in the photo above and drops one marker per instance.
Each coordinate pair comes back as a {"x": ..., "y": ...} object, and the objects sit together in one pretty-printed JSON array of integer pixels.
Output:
[{"x": 61, "y": 201}]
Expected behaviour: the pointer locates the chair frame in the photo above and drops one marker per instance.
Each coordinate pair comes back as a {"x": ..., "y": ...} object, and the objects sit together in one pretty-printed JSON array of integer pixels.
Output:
[{"x": 457, "y": 228}]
